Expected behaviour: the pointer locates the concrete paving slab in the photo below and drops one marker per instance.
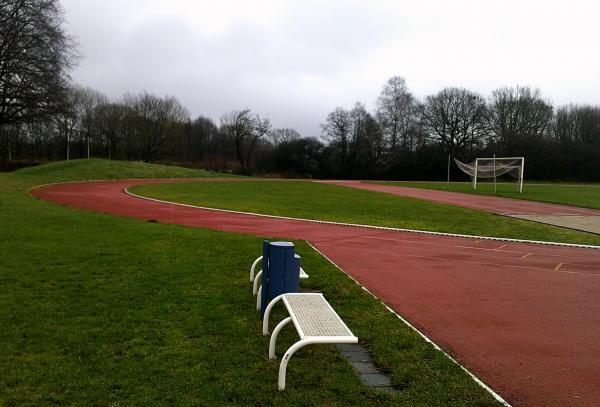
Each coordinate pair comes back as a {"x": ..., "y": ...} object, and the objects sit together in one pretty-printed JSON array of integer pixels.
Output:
[{"x": 584, "y": 223}]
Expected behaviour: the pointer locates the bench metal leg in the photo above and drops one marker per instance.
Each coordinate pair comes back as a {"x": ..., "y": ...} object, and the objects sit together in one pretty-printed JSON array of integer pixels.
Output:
[
  {"x": 258, "y": 259},
  {"x": 273, "y": 340},
  {"x": 284, "y": 361},
  {"x": 298, "y": 345},
  {"x": 256, "y": 282},
  {"x": 267, "y": 312},
  {"x": 258, "y": 298}
]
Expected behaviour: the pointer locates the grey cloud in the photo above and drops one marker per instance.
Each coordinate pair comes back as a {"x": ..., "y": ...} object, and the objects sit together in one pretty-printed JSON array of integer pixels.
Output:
[{"x": 297, "y": 65}]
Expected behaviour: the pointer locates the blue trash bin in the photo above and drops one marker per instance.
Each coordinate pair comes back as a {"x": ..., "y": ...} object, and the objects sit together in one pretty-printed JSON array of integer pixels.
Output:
[{"x": 281, "y": 271}]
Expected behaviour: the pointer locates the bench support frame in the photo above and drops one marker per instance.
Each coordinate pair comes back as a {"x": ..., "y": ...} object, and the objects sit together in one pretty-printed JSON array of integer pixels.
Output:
[{"x": 253, "y": 267}]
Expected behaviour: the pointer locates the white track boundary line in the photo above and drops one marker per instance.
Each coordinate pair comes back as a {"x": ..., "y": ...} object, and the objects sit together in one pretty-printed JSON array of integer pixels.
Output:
[
  {"x": 358, "y": 225},
  {"x": 115, "y": 180},
  {"x": 559, "y": 253},
  {"x": 485, "y": 263},
  {"x": 425, "y": 337}
]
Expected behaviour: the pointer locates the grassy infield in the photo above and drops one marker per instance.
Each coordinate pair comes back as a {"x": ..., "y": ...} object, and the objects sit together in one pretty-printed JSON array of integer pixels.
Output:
[
  {"x": 100, "y": 310},
  {"x": 329, "y": 202}
]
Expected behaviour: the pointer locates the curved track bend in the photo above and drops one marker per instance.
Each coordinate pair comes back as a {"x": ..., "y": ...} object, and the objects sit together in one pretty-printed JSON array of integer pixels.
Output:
[{"x": 523, "y": 317}]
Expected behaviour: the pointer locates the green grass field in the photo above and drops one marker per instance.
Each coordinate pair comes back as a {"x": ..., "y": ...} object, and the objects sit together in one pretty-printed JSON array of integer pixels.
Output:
[
  {"x": 584, "y": 195},
  {"x": 335, "y": 203},
  {"x": 108, "y": 311}
]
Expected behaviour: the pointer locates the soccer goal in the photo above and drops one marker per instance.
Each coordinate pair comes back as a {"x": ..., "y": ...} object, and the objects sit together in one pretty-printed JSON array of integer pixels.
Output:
[{"x": 494, "y": 167}]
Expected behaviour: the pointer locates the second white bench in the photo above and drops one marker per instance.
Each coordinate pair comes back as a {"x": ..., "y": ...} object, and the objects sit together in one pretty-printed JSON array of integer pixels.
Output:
[{"x": 256, "y": 279}]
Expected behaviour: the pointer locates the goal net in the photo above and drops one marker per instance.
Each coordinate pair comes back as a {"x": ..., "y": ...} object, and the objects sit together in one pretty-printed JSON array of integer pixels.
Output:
[{"x": 493, "y": 168}]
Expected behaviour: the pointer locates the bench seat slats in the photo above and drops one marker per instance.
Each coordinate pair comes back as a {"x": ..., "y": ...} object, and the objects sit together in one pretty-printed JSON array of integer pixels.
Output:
[{"x": 313, "y": 316}]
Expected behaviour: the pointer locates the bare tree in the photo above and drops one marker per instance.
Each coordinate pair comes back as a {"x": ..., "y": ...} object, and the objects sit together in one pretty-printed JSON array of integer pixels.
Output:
[
  {"x": 111, "y": 125},
  {"x": 39, "y": 135},
  {"x": 11, "y": 135},
  {"x": 91, "y": 99},
  {"x": 67, "y": 121},
  {"x": 518, "y": 113},
  {"x": 396, "y": 112},
  {"x": 337, "y": 131},
  {"x": 352, "y": 133},
  {"x": 152, "y": 119},
  {"x": 35, "y": 55},
  {"x": 245, "y": 130},
  {"x": 578, "y": 124},
  {"x": 455, "y": 117},
  {"x": 418, "y": 129},
  {"x": 279, "y": 136},
  {"x": 298, "y": 157},
  {"x": 361, "y": 130},
  {"x": 199, "y": 135}
]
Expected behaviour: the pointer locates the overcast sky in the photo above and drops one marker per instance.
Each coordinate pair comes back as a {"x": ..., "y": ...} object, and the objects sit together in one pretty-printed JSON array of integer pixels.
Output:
[{"x": 295, "y": 61}]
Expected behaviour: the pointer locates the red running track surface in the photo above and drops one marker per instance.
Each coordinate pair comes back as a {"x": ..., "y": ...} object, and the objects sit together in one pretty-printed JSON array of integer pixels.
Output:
[
  {"x": 523, "y": 317},
  {"x": 503, "y": 206}
]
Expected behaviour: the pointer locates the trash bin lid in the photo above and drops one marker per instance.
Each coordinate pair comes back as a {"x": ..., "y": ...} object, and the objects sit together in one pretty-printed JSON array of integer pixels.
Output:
[{"x": 282, "y": 244}]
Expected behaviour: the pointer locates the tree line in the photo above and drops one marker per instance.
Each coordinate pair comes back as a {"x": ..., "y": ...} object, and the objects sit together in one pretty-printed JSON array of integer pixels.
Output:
[
  {"x": 407, "y": 138},
  {"x": 44, "y": 117}
]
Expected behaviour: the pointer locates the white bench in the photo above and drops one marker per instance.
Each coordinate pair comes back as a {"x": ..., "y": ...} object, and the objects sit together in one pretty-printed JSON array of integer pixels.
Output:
[
  {"x": 314, "y": 319},
  {"x": 256, "y": 288}
]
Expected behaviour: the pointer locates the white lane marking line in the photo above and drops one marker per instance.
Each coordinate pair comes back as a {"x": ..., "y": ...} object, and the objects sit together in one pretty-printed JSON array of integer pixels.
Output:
[
  {"x": 530, "y": 268},
  {"x": 471, "y": 247},
  {"x": 501, "y": 247},
  {"x": 424, "y": 232},
  {"x": 435, "y": 244},
  {"x": 526, "y": 256},
  {"x": 421, "y": 334}
]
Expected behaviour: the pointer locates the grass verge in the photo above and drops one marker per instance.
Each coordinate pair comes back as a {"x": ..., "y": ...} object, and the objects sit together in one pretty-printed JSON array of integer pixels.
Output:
[
  {"x": 583, "y": 195},
  {"x": 102, "y": 310},
  {"x": 82, "y": 170},
  {"x": 342, "y": 204}
]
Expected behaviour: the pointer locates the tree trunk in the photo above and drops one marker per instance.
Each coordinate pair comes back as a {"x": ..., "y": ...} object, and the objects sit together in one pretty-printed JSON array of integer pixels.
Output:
[
  {"x": 249, "y": 155},
  {"x": 238, "y": 152}
]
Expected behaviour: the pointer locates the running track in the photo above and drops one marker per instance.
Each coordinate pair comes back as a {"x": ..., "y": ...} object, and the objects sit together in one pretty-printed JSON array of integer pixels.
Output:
[
  {"x": 524, "y": 317},
  {"x": 502, "y": 206}
]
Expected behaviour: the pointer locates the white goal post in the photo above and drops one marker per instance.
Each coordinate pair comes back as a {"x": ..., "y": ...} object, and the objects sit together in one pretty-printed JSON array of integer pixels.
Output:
[{"x": 493, "y": 168}]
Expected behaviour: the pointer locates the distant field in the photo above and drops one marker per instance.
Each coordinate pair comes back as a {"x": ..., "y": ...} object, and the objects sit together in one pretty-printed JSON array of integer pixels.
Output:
[
  {"x": 335, "y": 203},
  {"x": 584, "y": 195},
  {"x": 110, "y": 311}
]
